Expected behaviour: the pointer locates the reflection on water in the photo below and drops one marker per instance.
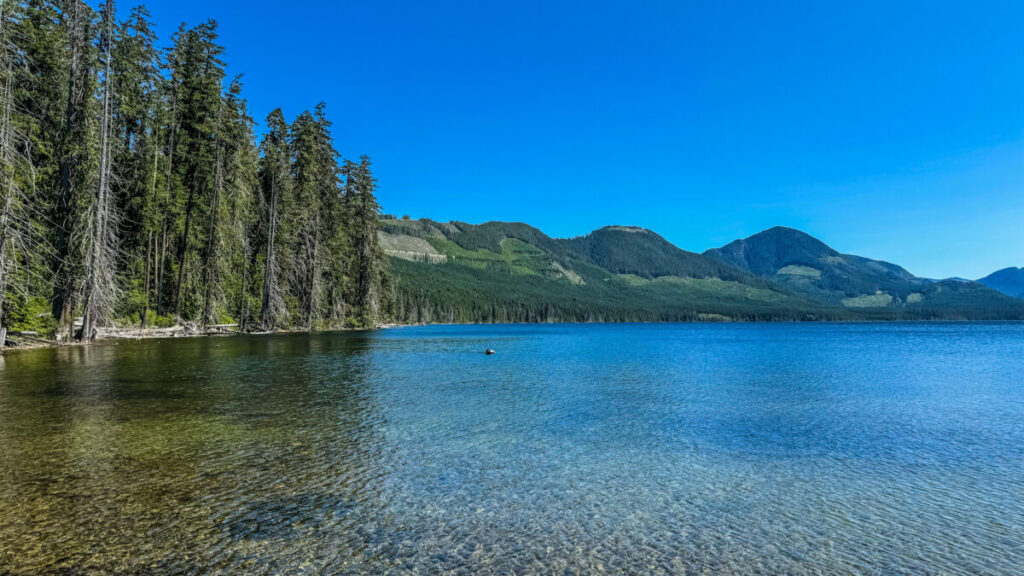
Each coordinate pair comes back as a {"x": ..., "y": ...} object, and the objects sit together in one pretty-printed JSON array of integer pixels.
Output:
[{"x": 675, "y": 449}]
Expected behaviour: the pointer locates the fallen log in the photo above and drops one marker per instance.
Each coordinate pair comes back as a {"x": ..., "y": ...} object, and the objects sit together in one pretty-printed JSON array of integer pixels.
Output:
[{"x": 26, "y": 335}]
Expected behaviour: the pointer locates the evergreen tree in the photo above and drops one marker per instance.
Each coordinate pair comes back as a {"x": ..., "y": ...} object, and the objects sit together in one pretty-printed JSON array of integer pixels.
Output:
[
  {"x": 131, "y": 183},
  {"x": 72, "y": 147},
  {"x": 102, "y": 218},
  {"x": 316, "y": 177},
  {"x": 136, "y": 114},
  {"x": 363, "y": 216},
  {"x": 239, "y": 206},
  {"x": 335, "y": 253},
  {"x": 212, "y": 291},
  {"x": 197, "y": 73},
  {"x": 276, "y": 187}
]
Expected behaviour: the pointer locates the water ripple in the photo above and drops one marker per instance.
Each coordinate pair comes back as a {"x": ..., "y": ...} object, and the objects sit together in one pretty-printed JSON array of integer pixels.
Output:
[{"x": 694, "y": 449}]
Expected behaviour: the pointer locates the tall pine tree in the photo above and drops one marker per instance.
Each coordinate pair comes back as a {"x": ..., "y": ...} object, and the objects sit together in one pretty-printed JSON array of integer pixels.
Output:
[
  {"x": 276, "y": 188},
  {"x": 131, "y": 183},
  {"x": 363, "y": 214}
]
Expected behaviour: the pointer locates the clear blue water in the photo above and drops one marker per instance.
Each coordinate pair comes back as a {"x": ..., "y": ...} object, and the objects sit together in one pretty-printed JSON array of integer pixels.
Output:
[{"x": 881, "y": 449}]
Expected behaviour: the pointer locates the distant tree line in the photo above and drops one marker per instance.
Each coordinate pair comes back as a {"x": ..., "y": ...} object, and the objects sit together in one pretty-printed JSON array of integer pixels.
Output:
[
  {"x": 133, "y": 190},
  {"x": 455, "y": 293}
]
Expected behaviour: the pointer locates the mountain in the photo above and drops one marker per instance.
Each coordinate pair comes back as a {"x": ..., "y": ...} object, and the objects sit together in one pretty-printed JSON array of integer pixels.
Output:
[
  {"x": 641, "y": 252},
  {"x": 501, "y": 271},
  {"x": 1009, "y": 281},
  {"x": 806, "y": 265},
  {"x": 512, "y": 272}
]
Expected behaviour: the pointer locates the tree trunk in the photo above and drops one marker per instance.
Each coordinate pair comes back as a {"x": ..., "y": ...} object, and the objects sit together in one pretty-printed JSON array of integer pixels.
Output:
[
  {"x": 243, "y": 305},
  {"x": 63, "y": 293},
  {"x": 210, "y": 278},
  {"x": 5, "y": 223},
  {"x": 100, "y": 272},
  {"x": 7, "y": 183},
  {"x": 145, "y": 306},
  {"x": 159, "y": 271},
  {"x": 270, "y": 274},
  {"x": 167, "y": 185},
  {"x": 313, "y": 273},
  {"x": 183, "y": 253}
]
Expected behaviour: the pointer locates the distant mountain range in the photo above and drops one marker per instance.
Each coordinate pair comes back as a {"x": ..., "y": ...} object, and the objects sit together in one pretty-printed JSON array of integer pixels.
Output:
[
  {"x": 512, "y": 272},
  {"x": 806, "y": 265},
  {"x": 1009, "y": 281}
]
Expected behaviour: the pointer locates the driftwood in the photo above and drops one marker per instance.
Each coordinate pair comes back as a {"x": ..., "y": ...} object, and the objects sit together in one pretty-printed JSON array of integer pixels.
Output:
[
  {"x": 141, "y": 332},
  {"x": 13, "y": 338},
  {"x": 30, "y": 336},
  {"x": 136, "y": 333}
]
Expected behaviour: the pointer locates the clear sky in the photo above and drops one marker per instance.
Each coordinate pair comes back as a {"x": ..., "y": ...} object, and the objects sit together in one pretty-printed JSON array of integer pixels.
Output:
[{"x": 893, "y": 130}]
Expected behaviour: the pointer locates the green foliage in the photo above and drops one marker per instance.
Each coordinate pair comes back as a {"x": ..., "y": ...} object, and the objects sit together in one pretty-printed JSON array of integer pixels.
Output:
[
  {"x": 164, "y": 321},
  {"x": 206, "y": 227},
  {"x": 499, "y": 272},
  {"x": 361, "y": 213},
  {"x": 31, "y": 314},
  {"x": 630, "y": 250},
  {"x": 457, "y": 293},
  {"x": 808, "y": 266}
]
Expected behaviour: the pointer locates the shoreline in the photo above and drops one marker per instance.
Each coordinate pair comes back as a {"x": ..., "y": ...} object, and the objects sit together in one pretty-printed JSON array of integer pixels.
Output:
[
  {"x": 170, "y": 332},
  {"x": 183, "y": 331}
]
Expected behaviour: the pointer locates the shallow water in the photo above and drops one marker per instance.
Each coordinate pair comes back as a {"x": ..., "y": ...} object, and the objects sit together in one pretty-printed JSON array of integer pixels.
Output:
[{"x": 643, "y": 449}]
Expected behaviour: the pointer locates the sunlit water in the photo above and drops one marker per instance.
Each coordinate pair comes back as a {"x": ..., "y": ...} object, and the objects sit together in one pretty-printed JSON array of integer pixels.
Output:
[{"x": 655, "y": 449}]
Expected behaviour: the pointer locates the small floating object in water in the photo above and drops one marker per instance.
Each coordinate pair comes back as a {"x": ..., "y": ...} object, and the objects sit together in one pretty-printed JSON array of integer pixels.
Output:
[{"x": 489, "y": 352}]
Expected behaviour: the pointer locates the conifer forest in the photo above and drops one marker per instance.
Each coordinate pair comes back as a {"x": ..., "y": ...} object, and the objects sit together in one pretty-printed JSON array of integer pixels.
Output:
[{"x": 137, "y": 192}]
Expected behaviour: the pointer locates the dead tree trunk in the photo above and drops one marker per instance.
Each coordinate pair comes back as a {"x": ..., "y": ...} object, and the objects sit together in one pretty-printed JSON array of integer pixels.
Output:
[
  {"x": 64, "y": 290},
  {"x": 6, "y": 260},
  {"x": 10, "y": 196},
  {"x": 100, "y": 275}
]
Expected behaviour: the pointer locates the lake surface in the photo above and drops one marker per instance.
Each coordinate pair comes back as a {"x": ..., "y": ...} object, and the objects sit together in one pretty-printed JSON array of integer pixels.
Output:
[{"x": 769, "y": 449}]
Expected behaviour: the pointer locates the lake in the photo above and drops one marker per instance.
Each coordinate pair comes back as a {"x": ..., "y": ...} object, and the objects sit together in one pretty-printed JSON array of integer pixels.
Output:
[{"x": 769, "y": 449}]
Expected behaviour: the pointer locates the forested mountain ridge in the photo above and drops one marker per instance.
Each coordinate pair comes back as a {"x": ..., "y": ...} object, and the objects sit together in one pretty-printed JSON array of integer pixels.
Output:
[
  {"x": 511, "y": 272},
  {"x": 134, "y": 191},
  {"x": 634, "y": 250},
  {"x": 1009, "y": 281},
  {"x": 790, "y": 255},
  {"x": 498, "y": 271},
  {"x": 804, "y": 264}
]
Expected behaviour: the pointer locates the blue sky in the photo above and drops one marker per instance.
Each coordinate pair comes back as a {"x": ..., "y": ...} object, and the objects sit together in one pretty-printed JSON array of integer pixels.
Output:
[{"x": 890, "y": 130}]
